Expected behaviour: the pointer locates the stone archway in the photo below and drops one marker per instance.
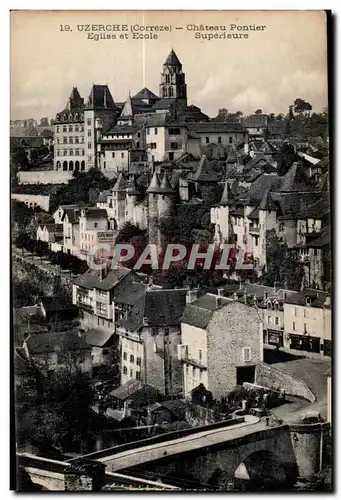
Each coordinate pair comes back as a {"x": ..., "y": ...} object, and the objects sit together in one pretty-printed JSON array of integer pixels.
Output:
[
  {"x": 70, "y": 165},
  {"x": 82, "y": 165},
  {"x": 77, "y": 165},
  {"x": 64, "y": 165},
  {"x": 260, "y": 471},
  {"x": 58, "y": 165}
]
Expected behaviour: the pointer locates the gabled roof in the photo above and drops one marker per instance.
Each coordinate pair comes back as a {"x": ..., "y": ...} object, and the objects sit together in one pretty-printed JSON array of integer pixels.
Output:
[
  {"x": 92, "y": 279},
  {"x": 165, "y": 186},
  {"x": 214, "y": 127},
  {"x": 100, "y": 97},
  {"x": 145, "y": 94},
  {"x": 204, "y": 172},
  {"x": 158, "y": 307},
  {"x": 95, "y": 213},
  {"x": 199, "y": 312},
  {"x": 127, "y": 110},
  {"x": 98, "y": 338},
  {"x": 261, "y": 185},
  {"x": 172, "y": 60},
  {"x": 121, "y": 184},
  {"x": 295, "y": 179},
  {"x": 255, "y": 121}
]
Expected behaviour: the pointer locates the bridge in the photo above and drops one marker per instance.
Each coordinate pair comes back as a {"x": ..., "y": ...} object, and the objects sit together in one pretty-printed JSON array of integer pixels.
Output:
[{"x": 216, "y": 456}]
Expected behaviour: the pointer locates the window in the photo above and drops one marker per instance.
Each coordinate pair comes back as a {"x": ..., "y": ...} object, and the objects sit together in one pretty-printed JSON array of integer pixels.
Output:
[
  {"x": 167, "y": 78},
  {"x": 276, "y": 321},
  {"x": 174, "y": 145},
  {"x": 122, "y": 155},
  {"x": 131, "y": 373},
  {"x": 138, "y": 376},
  {"x": 89, "y": 132},
  {"x": 200, "y": 374},
  {"x": 82, "y": 152},
  {"x": 57, "y": 152},
  {"x": 256, "y": 241},
  {"x": 95, "y": 224},
  {"x": 230, "y": 140},
  {"x": 186, "y": 369},
  {"x": 148, "y": 131},
  {"x": 219, "y": 140},
  {"x": 76, "y": 140},
  {"x": 269, "y": 320},
  {"x": 58, "y": 140},
  {"x": 293, "y": 325},
  {"x": 70, "y": 140},
  {"x": 138, "y": 134},
  {"x": 89, "y": 122},
  {"x": 207, "y": 140},
  {"x": 70, "y": 128},
  {"x": 152, "y": 145},
  {"x": 64, "y": 140},
  {"x": 281, "y": 226},
  {"x": 64, "y": 128},
  {"x": 125, "y": 371},
  {"x": 138, "y": 360},
  {"x": 200, "y": 354},
  {"x": 70, "y": 152},
  {"x": 76, "y": 128},
  {"x": 113, "y": 155},
  {"x": 125, "y": 356},
  {"x": 247, "y": 354},
  {"x": 296, "y": 312},
  {"x": 174, "y": 131},
  {"x": 305, "y": 314},
  {"x": 64, "y": 152},
  {"x": 57, "y": 130},
  {"x": 193, "y": 371},
  {"x": 132, "y": 358},
  {"x": 305, "y": 327},
  {"x": 155, "y": 131},
  {"x": 81, "y": 128},
  {"x": 170, "y": 91},
  {"x": 89, "y": 145},
  {"x": 166, "y": 332},
  {"x": 154, "y": 331},
  {"x": 77, "y": 152}
]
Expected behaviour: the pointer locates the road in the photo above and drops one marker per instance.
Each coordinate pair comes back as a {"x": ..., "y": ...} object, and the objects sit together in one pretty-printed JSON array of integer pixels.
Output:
[{"x": 136, "y": 456}]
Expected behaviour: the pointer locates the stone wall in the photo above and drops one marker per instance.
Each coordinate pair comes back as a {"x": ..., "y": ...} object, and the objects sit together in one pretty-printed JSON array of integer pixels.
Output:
[
  {"x": 275, "y": 379},
  {"x": 45, "y": 177},
  {"x": 33, "y": 200},
  {"x": 199, "y": 415}
]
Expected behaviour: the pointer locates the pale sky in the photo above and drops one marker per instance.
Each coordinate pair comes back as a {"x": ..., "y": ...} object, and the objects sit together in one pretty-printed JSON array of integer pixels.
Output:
[{"x": 269, "y": 70}]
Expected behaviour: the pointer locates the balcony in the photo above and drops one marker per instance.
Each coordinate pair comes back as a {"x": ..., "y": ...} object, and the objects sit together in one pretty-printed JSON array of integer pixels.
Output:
[
  {"x": 253, "y": 229},
  {"x": 197, "y": 364}
]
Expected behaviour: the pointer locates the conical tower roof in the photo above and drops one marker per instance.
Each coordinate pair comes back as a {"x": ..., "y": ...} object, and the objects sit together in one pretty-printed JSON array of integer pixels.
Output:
[
  {"x": 172, "y": 60},
  {"x": 225, "y": 196},
  {"x": 165, "y": 186},
  {"x": 120, "y": 184},
  {"x": 267, "y": 202},
  {"x": 204, "y": 172},
  {"x": 132, "y": 188},
  {"x": 127, "y": 110},
  {"x": 154, "y": 186}
]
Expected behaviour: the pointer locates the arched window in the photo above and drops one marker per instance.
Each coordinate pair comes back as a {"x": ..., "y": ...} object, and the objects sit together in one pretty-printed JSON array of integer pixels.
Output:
[
  {"x": 64, "y": 117},
  {"x": 58, "y": 165},
  {"x": 269, "y": 305},
  {"x": 170, "y": 91},
  {"x": 83, "y": 165},
  {"x": 65, "y": 165},
  {"x": 64, "y": 128},
  {"x": 77, "y": 165},
  {"x": 70, "y": 152},
  {"x": 164, "y": 92},
  {"x": 71, "y": 165}
]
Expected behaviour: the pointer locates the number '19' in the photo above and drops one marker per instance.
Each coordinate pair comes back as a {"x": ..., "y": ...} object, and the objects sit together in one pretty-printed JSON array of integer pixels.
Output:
[{"x": 65, "y": 27}]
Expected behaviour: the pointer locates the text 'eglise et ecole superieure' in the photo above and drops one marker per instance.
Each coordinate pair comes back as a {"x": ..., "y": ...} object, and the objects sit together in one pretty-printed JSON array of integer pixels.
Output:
[{"x": 138, "y": 31}]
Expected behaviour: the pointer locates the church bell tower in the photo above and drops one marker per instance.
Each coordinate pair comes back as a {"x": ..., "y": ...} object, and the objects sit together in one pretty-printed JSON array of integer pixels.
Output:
[{"x": 173, "y": 85}]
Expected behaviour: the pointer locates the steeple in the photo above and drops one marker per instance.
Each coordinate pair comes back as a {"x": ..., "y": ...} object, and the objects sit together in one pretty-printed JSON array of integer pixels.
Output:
[
  {"x": 225, "y": 196},
  {"x": 127, "y": 111},
  {"x": 75, "y": 100},
  {"x": 165, "y": 186},
  {"x": 173, "y": 85},
  {"x": 154, "y": 186},
  {"x": 267, "y": 202}
]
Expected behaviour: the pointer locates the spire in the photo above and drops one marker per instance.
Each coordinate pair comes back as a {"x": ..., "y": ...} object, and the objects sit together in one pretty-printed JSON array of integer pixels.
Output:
[
  {"x": 172, "y": 60},
  {"x": 165, "y": 186},
  {"x": 154, "y": 186},
  {"x": 267, "y": 202},
  {"x": 225, "y": 196},
  {"x": 127, "y": 110}
]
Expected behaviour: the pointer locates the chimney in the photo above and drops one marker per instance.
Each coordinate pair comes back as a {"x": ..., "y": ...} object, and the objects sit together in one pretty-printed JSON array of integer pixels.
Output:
[
  {"x": 221, "y": 292},
  {"x": 235, "y": 296},
  {"x": 191, "y": 296}
]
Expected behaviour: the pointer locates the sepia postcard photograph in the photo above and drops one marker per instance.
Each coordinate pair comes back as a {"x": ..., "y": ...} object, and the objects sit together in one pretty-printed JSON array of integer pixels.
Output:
[{"x": 171, "y": 261}]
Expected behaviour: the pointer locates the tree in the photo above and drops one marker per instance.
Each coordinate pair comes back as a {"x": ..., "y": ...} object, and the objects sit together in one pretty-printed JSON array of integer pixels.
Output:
[
  {"x": 287, "y": 156},
  {"x": 302, "y": 106},
  {"x": 258, "y": 112},
  {"x": 201, "y": 396}
]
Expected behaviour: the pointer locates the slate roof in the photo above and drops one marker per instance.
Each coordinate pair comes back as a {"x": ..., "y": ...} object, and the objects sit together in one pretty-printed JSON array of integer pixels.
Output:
[
  {"x": 154, "y": 186},
  {"x": 291, "y": 205},
  {"x": 214, "y": 127},
  {"x": 322, "y": 240},
  {"x": 164, "y": 104},
  {"x": 53, "y": 228},
  {"x": 255, "y": 121},
  {"x": 204, "y": 172},
  {"x": 132, "y": 186},
  {"x": 129, "y": 293},
  {"x": 172, "y": 60},
  {"x": 72, "y": 214},
  {"x": 100, "y": 97},
  {"x": 316, "y": 210},
  {"x": 295, "y": 179},
  {"x": 261, "y": 185},
  {"x": 160, "y": 308},
  {"x": 91, "y": 279},
  {"x": 122, "y": 129},
  {"x": 98, "y": 338},
  {"x": 254, "y": 214},
  {"x": 225, "y": 196},
  {"x": 102, "y": 197},
  {"x": 165, "y": 186},
  {"x": 317, "y": 298},
  {"x": 267, "y": 202},
  {"x": 95, "y": 213},
  {"x": 199, "y": 312},
  {"x": 41, "y": 343},
  {"x": 121, "y": 184},
  {"x": 145, "y": 94},
  {"x": 131, "y": 387}
]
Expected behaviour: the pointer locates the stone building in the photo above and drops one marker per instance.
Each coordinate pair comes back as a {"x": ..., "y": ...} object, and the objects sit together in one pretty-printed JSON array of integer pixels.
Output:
[{"x": 221, "y": 343}]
